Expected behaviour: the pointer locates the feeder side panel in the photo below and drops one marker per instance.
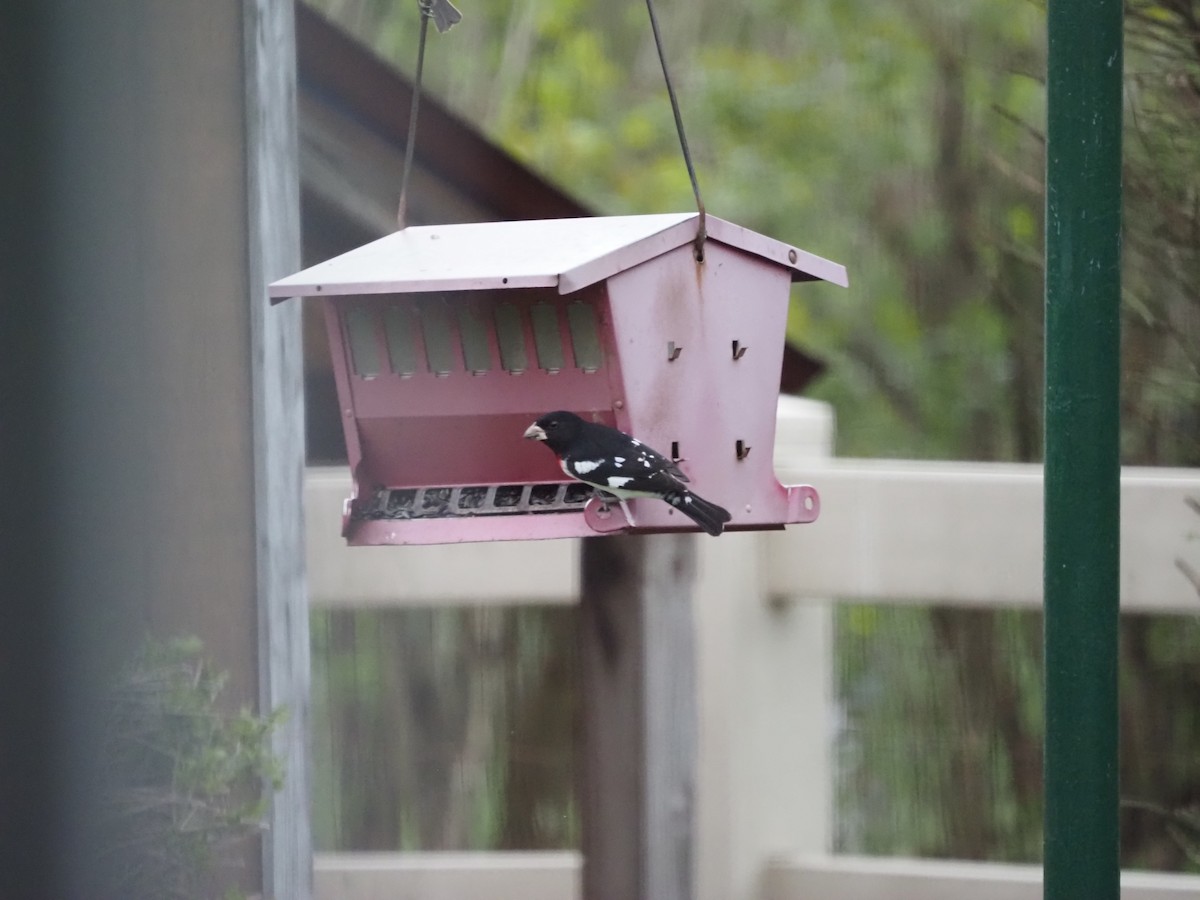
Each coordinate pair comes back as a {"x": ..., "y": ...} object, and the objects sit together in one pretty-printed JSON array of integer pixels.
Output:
[
  {"x": 441, "y": 398},
  {"x": 705, "y": 400}
]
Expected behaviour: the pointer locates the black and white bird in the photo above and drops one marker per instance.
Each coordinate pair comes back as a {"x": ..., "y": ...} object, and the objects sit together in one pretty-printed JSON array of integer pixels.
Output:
[{"x": 615, "y": 463}]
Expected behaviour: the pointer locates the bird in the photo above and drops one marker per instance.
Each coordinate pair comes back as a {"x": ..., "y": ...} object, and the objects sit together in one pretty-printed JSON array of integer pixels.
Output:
[{"x": 618, "y": 464}]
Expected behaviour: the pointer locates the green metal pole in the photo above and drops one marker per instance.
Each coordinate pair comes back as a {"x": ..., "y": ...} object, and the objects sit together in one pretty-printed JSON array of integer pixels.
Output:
[{"x": 1082, "y": 464}]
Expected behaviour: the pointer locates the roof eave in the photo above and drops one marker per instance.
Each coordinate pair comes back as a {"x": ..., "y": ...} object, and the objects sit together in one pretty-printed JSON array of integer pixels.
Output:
[{"x": 677, "y": 230}]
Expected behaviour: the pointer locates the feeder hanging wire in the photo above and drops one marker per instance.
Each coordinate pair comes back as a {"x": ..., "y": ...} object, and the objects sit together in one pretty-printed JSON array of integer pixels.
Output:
[
  {"x": 445, "y": 16},
  {"x": 701, "y": 231}
]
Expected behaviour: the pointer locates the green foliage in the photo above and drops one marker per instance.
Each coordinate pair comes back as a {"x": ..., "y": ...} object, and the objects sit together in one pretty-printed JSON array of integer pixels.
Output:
[
  {"x": 902, "y": 138},
  {"x": 941, "y": 759},
  {"x": 889, "y": 136},
  {"x": 933, "y": 760},
  {"x": 1182, "y": 824},
  {"x": 1162, "y": 234},
  {"x": 444, "y": 729},
  {"x": 188, "y": 780}
]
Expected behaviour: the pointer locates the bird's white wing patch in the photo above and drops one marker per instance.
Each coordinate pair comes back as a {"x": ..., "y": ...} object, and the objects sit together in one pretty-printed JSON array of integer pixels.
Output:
[
  {"x": 586, "y": 465},
  {"x": 618, "y": 481}
]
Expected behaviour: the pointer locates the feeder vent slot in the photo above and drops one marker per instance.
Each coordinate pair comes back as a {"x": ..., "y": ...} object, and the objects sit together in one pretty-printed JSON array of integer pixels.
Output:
[
  {"x": 364, "y": 347},
  {"x": 473, "y": 500},
  {"x": 511, "y": 338},
  {"x": 474, "y": 334},
  {"x": 447, "y": 335},
  {"x": 547, "y": 337},
  {"x": 439, "y": 340},
  {"x": 585, "y": 336},
  {"x": 401, "y": 340}
]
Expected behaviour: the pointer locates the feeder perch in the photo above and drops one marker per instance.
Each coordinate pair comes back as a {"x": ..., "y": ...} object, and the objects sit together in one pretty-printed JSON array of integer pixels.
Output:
[{"x": 449, "y": 340}]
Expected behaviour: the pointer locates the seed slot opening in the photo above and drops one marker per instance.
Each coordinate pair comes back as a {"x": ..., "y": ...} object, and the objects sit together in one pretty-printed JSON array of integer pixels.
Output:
[
  {"x": 364, "y": 347},
  {"x": 546, "y": 336},
  {"x": 439, "y": 342},
  {"x": 585, "y": 336},
  {"x": 401, "y": 337},
  {"x": 511, "y": 338}
]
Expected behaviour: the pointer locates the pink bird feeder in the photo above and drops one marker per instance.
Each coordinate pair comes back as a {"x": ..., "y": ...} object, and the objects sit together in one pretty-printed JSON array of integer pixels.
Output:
[{"x": 449, "y": 340}]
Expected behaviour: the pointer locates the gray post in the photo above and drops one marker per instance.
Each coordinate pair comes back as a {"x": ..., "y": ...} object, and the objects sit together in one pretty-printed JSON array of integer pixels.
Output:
[
  {"x": 155, "y": 395},
  {"x": 639, "y": 700},
  {"x": 273, "y": 218}
]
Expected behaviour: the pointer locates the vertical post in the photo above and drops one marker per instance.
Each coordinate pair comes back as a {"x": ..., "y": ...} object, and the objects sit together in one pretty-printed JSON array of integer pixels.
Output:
[
  {"x": 764, "y": 774},
  {"x": 36, "y": 680},
  {"x": 277, "y": 388},
  {"x": 1082, "y": 503},
  {"x": 159, "y": 451},
  {"x": 639, "y": 712}
]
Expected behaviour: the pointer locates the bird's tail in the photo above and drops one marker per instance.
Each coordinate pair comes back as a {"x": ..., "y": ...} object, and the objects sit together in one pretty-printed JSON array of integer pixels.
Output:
[{"x": 709, "y": 516}]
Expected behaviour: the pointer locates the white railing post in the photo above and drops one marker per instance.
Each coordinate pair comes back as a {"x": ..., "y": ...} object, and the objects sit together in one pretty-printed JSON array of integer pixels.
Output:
[{"x": 764, "y": 775}]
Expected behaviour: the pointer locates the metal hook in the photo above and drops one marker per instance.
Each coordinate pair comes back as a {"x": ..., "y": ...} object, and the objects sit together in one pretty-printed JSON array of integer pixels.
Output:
[
  {"x": 444, "y": 13},
  {"x": 738, "y": 350},
  {"x": 673, "y": 351}
]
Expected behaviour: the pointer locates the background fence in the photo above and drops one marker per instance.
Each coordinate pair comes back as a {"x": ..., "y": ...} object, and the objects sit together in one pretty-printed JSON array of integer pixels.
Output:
[{"x": 775, "y": 750}]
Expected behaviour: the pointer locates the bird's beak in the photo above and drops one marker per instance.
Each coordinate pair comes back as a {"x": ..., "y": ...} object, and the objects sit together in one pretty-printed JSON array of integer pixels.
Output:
[{"x": 534, "y": 432}]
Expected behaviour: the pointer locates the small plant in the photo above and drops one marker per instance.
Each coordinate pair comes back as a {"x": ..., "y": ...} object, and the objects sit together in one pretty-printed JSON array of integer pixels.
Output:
[{"x": 188, "y": 782}]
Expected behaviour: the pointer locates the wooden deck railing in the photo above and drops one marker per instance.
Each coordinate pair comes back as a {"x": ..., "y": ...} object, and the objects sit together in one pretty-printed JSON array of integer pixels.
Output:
[{"x": 889, "y": 532}]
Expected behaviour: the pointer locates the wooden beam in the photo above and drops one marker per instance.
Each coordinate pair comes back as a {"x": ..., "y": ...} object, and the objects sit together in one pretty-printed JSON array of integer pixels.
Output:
[
  {"x": 277, "y": 388},
  {"x": 639, "y": 731}
]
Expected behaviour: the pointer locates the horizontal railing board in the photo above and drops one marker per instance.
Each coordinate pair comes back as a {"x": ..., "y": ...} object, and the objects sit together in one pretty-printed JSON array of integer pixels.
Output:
[
  {"x": 876, "y": 878},
  {"x": 890, "y": 532},
  {"x": 447, "y": 876},
  {"x": 503, "y": 572},
  {"x": 555, "y": 876},
  {"x": 971, "y": 534}
]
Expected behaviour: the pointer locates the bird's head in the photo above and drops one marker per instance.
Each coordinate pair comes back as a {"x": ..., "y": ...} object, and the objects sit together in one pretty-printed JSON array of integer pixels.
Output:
[{"x": 557, "y": 429}]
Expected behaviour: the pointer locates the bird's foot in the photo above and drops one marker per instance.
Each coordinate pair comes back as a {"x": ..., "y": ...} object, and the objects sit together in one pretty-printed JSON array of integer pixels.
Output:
[{"x": 606, "y": 502}]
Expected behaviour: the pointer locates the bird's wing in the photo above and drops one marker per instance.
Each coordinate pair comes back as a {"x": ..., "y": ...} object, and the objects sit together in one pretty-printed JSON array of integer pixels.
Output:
[{"x": 638, "y": 469}]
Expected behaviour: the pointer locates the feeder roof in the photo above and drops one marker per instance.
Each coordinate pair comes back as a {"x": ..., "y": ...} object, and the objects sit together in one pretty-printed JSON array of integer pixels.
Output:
[{"x": 567, "y": 254}]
